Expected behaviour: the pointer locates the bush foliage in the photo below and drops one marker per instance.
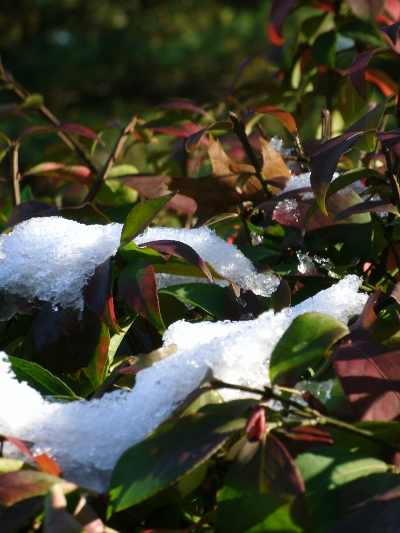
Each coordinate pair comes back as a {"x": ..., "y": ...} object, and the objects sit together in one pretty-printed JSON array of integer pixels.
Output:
[{"x": 314, "y": 464}]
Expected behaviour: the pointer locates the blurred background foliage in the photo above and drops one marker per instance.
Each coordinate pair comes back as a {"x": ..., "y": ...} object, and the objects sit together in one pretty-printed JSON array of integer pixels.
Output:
[{"x": 95, "y": 59}]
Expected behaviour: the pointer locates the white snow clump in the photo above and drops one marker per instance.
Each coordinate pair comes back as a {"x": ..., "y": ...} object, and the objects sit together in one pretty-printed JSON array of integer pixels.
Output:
[
  {"x": 86, "y": 438},
  {"x": 51, "y": 259}
]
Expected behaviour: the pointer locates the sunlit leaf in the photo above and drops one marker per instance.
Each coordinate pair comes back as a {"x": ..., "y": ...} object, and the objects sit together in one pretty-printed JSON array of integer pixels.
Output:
[{"x": 208, "y": 297}]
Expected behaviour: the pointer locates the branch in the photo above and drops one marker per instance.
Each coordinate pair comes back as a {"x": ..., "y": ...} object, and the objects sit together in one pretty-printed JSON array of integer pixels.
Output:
[
  {"x": 102, "y": 176},
  {"x": 14, "y": 175}
]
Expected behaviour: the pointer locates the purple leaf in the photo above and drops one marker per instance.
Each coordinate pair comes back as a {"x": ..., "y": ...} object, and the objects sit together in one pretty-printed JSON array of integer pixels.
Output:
[
  {"x": 193, "y": 140},
  {"x": 279, "y": 11},
  {"x": 357, "y": 72},
  {"x": 391, "y": 31},
  {"x": 181, "y": 250},
  {"x": 68, "y": 128},
  {"x": 369, "y": 373},
  {"x": 31, "y": 209},
  {"x": 390, "y": 140},
  {"x": 324, "y": 161},
  {"x": 379, "y": 206}
]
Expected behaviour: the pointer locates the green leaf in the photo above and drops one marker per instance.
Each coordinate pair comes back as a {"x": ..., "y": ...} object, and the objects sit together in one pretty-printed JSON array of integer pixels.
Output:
[
  {"x": 303, "y": 344},
  {"x": 10, "y": 465},
  {"x": 323, "y": 49},
  {"x": 122, "y": 170},
  {"x": 24, "y": 484},
  {"x": 41, "y": 379},
  {"x": 172, "y": 451},
  {"x": 141, "y": 216},
  {"x": 263, "y": 491},
  {"x": 115, "y": 193},
  {"x": 325, "y": 472},
  {"x": 209, "y": 297},
  {"x": 35, "y": 99},
  {"x": 137, "y": 287}
]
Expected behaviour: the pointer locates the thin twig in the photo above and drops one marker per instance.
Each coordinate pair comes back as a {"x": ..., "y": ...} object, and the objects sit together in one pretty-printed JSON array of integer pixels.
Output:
[
  {"x": 326, "y": 125},
  {"x": 102, "y": 176},
  {"x": 239, "y": 129},
  {"x": 308, "y": 413},
  {"x": 14, "y": 175},
  {"x": 68, "y": 139}
]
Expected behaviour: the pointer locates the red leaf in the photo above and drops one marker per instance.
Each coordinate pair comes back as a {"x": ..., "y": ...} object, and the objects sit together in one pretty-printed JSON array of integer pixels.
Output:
[
  {"x": 256, "y": 426},
  {"x": 357, "y": 72},
  {"x": 137, "y": 287},
  {"x": 47, "y": 465},
  {"x": 194, "y": 139},
  {"x": 70, "y": 128},
  {"x": 181, "y": 250},
  {"x": 314, "y": 403},
  {"x": 382, "y": 80},
  {"x": 283, "y": 116},
  {"x": 390, "y": 140},
  {"x": 76, "y": 173},
  {"x": 30, "y": 209},
  {"x": 309, "y": 434},
  {"x": 366, "y": 9},
  {"x": 369, "y": 373},
  {"x": 365, "y": 324},
  {"x": 279, "y": 11},
  {"x": 324, "y": 161},
  {"x": 18, "y": 443}
]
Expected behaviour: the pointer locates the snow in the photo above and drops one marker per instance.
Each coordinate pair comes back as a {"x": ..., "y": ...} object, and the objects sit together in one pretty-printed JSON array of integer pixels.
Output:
[
  {"x": 86, "y": 438},
  {"x": 51, "y": 259}
]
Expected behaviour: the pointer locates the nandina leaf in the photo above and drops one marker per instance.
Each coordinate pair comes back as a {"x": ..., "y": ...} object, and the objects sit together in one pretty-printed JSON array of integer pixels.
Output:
[
  {"x": 156, "y": 186},
  {"x": 279, "y": 11},
  {"x": 69, "y": 128},
  {"x": 284, "y": 117},
  {"x": 366, "y": 9},
  {"x": 391, "y": 31},
  {"x": 13, "y": 110},
  {"x": 243, "y": 307},
  {"x": 323, "y": 49},
  {"x": 30, "y": 209},
  {"x": 390, "y": 140},
  {"x": 99, "y": 298},
  {"x": 303, "y": 344},
  {"x": 173, "y": 450},
  {"x": 87, "y": 213},
  {"x": 76, "y": 173},
  {"x": 14, "y": 517},
  {"x": 324, "y": 161},
  {"x": 24, "y": 484},
  {"x": 40, "y": 379},
  {"x": 181, "y": 130},
  {"x": 263, "y": 491},
  {"x": 140, "y": 217},
  {"x": 181, "y": 250},
  {"x": 281, "y": 297},
  {"x": 358, "y": 68},
  {"x": 309, "y": 434},
  {"x": 367, "y": 488},
  {"x": 369, "y": 373},
  {"x": 18, "y": 443},
  {"x": 382, "y": 80},
  {"x": 374, "y": 206},
  {"x": 183, "y": 106},
  {"x": 325, "y": 471},
  {"x": 137, "y": 287},
  {"x": 193, "y": 140},
  {"x": 65, "y": 339},
  {"x": 256, "y": 426}
]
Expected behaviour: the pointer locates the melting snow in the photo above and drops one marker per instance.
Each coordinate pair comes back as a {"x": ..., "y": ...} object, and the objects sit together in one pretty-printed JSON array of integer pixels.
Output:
[{"x": 86, "y": 438}]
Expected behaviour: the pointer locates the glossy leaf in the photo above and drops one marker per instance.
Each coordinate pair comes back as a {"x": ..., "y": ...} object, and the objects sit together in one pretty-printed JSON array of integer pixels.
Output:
[
  {"x": 325, "y": 472},
  {"x": 370, "y": 376},
  {"x": 99, "y": 299},
  {"x": 208, "y": 297},
  {"x": 173, "y": 450},
  {"x": 391, "y": 31},
  {"x": 193, "y": 139},
  {"x": 30, "y": 209},
  {"x": 98, "y": 366},
  {"x": 77, "y": 173},
  {"x": 263, "y": 491},
  {"x": 323, "y": 49},
  {"x": 24, "y": 484},
  {"x": 137, "y": 287},
  {"x": 140, "y": 217},
  {"x": 324, "y": 161},
  {"x": 182, "y": 251},
  {"x": 279, "y": 12},
  {"x": 181, "y": 105},
  {"x": 303, "y": 344},
  {"x": 40, "y": 379},
  {"x": 375, "y": 206},
  {"x": 115, "y": 193},
  {"x": 87, "y": 213},
  {"x": 373, "y": 118}
]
